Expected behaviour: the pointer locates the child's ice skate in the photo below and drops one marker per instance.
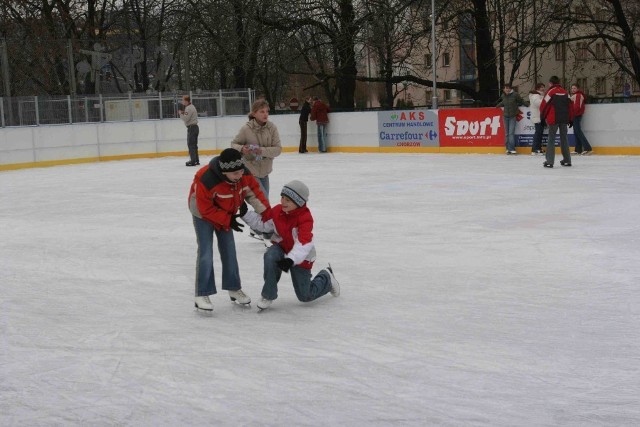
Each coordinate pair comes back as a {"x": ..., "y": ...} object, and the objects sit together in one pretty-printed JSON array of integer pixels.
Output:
[
  {"x": 335, "y": 286},
  {"x": 264, "y": 303},
  {"x": 240, "y": 297},
  {"x": 203, "y": 303}
]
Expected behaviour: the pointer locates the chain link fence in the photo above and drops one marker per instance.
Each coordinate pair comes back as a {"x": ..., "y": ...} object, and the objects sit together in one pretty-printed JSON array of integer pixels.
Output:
[{"x": 57, "y": 110}]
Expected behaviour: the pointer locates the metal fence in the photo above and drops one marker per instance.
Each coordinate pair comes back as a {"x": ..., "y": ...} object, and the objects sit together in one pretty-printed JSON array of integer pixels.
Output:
[{"x": 57, "y": 110}]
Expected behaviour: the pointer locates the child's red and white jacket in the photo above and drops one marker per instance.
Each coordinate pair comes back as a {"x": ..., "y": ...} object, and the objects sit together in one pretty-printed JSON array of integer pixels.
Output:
[
  {"x": 293, "y": 232},
  {"x": 213, "y": 198}
]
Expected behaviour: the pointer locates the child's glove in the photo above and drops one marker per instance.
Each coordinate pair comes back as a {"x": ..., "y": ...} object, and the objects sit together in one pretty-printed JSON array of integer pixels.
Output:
[
  {"x": 235, "y": 225},
  {"x": 285, "y": 264},
  {"x": 243, "y": 209}
]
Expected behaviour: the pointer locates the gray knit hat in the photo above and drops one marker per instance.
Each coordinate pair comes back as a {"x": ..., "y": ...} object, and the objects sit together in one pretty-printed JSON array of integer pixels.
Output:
[{"x": 296, "y": 191}]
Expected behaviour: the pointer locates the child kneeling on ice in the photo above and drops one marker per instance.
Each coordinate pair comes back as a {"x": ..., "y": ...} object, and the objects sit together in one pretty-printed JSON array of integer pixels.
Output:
[{"x": 293, "y": 250}]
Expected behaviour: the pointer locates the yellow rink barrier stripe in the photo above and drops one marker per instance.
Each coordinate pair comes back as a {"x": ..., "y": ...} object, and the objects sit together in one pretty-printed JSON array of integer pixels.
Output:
[{"x": 617, "y": 151}]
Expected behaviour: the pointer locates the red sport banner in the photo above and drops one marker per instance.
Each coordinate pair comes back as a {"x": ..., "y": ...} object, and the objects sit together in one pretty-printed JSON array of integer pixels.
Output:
[{"x": 471, "y": 127}]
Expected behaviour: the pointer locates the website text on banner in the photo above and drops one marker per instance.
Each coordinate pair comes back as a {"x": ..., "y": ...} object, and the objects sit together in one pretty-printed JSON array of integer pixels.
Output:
[{"x": 414, "y": 128}]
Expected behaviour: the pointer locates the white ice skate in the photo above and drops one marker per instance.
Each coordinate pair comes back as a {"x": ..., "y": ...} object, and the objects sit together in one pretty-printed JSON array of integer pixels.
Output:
[
  {"x": 264, "y": 303},
  {"x": 203, "y": 303},
  {"x": 335, "y": 286},
  {"x": 239, "y": 296}
]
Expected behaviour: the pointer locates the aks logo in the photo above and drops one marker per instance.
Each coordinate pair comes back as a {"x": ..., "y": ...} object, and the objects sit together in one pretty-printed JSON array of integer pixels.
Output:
[{"x": 408, "y": 116}]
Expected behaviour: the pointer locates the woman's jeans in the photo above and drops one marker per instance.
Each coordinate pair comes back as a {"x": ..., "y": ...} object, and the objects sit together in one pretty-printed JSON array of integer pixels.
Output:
[
  {"x": 264, "y": 186},
  {"x": 322, "y": 137},
  {"x": 581, "y": 141},
  {"x": 537, "y": 137},
  {"x": 510, "y": 133},
  {"x": 205, "y": 280}
]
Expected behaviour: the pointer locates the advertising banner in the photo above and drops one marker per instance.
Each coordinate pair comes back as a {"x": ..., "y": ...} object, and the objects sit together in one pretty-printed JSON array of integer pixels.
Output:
[
  {"x": 471, "y": 127},
  {"x": 411, "y": 128},
  {"x": 525, "y": 129}
]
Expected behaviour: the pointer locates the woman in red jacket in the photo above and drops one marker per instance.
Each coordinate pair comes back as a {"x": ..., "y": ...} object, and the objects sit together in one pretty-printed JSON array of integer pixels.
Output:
[
  {"x": 217, "y": 193},
  {"x": 582, "y": 144},
  {"x": 320, "y": 113},
  {"x": 293, "y": 249}
]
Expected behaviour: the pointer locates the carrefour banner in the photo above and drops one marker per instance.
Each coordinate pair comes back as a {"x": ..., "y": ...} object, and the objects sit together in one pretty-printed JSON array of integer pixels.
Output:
[
  {"x": 412, "y": 128},
  {"x": 471, "y": 127}
]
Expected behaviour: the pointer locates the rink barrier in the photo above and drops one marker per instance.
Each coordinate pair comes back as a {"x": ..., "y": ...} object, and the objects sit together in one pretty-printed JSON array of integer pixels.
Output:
[{"x": 612, "y": 129}]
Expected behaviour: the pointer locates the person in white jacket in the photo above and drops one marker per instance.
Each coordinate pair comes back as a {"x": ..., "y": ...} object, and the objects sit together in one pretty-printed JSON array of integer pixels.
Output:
[{"x": 535, "y": 98}]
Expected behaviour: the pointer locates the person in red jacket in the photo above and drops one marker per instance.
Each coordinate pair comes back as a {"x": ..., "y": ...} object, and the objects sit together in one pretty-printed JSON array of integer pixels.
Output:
[
  {"x": 320, "y": 113},
  {"x": 557, "y": 110},
  {"x": 582, "y": 144},
  {"x": 293, "y": 249},
  {"x": 217, "y": 193}
]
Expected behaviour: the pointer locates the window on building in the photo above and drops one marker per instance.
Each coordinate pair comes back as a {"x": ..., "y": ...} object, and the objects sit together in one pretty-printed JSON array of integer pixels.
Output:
[
  {"x": 582, "y": 82},
  {"x": 601, "y": 85},
  {"x": 560, "y": 52},
  {"x": 602, "y": 14},
  {"x": 601, "y": 51},
  {"x": 618, "y": 84},
  {"x": 618, "y": 51},
  {"x": 582, "y": 49},
  {"x": 447, "y": 95},
  {"x": 427, "y": 60},
  {"x": 446, "y": 59},
  {"x": 513, "y": 55}
]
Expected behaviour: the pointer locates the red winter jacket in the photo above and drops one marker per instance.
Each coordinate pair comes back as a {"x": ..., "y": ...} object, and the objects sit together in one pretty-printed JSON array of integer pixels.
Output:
[
  {"x": 213, "y": 198},
  {"x": 556, "y": 94},
  {"x": 293, "y": 232},
  {"x": 320, "y": 112},
  {"x": 579, "y": 101}
]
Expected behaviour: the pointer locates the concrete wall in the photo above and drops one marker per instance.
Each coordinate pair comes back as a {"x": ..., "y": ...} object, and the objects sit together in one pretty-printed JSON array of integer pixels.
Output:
[{"x": 611, "y": 129}]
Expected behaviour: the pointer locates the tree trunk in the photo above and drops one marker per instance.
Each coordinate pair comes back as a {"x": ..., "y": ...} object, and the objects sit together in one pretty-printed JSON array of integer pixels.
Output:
[{"x": 486, "y": 57}]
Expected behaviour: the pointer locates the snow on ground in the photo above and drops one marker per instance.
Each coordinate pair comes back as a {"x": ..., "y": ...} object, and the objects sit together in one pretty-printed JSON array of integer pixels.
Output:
[{"x": 477, "y": 290}]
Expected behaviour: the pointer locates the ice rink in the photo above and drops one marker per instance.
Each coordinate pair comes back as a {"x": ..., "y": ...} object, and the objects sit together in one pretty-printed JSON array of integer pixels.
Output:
[{"x": 477, "y": 290}]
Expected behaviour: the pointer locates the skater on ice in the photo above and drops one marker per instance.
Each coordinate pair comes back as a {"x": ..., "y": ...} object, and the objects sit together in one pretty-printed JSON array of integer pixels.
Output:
[
  {"x": 293, "y": 250},
  {"x": 217, "y": 193}
]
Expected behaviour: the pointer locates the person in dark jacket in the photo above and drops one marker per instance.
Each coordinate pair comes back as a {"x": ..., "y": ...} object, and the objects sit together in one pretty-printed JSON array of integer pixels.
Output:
[
  {"x": 556, "y": 109},
  {"x": 510, "y": 101},
  {"x": 216, "y": 194},
  {"x": 303, "y": 120}
]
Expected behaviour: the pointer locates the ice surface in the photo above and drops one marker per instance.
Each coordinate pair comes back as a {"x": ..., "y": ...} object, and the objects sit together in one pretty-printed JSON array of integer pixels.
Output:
[{"x": 477, "y": 290}]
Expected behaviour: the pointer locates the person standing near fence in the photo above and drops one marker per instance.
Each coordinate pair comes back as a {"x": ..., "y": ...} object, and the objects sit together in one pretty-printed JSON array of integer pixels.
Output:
[
  {"x": 579, "y": 100},
  {"x": 510, "y": 101},
  {"x": 320, "y": 113},
  {"x": 557, "y": 110},
  {"x": 535, "y": 99},
  {"x": 190, "y": 118},
  {"x": 303, "y": 121}
]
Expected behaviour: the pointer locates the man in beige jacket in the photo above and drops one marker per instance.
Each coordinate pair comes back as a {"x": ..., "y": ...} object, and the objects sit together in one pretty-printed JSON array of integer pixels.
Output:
[{"x": 190, "y": 118}]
